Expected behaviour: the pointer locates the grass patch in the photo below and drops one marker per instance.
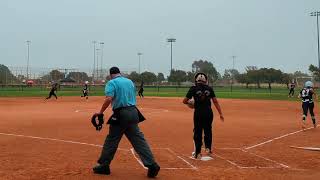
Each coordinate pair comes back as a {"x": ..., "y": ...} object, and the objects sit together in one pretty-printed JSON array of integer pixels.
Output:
[{"x": 221, "y": 92}]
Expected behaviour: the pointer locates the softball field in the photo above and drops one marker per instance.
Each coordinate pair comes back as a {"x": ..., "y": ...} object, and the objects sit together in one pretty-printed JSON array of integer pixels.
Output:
[{"x": 54, "y": 139}]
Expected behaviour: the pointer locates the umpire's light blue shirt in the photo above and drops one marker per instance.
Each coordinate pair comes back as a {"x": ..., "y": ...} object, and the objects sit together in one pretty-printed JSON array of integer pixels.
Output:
[{"x": 123, "y": 92}]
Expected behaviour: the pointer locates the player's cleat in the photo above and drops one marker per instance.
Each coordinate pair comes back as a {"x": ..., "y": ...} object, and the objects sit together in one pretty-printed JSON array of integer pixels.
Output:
[
  {"x": 101, "y": 169},
  {"x": 208, "y": 151},
  {"x": 196, "y": 156},
  {"x": 153, "y": 170}
]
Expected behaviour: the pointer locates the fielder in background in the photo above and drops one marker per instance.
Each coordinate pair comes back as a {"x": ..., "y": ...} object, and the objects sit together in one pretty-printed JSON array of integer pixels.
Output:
[
  {"x": 199, "y": 97},
  {"x": 120, "y": 91},
  {"x": 307, "y": 94},
  {"x": 291, "y": 91},
  {"x": 85, "y": 90},
  {"x": 140, "y": 92},
  {"x": 54, "y": 88}
]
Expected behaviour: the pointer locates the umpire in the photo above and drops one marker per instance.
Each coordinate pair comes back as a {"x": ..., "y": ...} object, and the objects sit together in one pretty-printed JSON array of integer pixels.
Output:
[{"x": 120, "y": 91}]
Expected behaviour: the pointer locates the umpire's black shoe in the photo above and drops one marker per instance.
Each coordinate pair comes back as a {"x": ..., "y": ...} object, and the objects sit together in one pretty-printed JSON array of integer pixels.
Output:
[
  {"x": 101, "y": 169},
  {"x": 153, "y": 170}
]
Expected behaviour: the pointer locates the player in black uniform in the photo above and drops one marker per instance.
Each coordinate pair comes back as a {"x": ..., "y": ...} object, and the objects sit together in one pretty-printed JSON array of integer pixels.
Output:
[
  {"x": 306, "y": 94},
  {"x": 85, "y": 90},
  {"x": 140, "y": 92},
  {"x": 203, "y": 115},
  {"x": 52, "y": 91},
  {"x": 292, "y": 86}
]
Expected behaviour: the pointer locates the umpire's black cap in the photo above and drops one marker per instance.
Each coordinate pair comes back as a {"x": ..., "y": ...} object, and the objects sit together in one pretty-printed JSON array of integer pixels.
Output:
[{"x": 114, "y": 70}]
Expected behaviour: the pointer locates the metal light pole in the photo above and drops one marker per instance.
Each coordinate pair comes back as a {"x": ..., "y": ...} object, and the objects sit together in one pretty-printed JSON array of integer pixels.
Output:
[
  {"x": 317, "y": 14},
  {"x": 171, "y": 40},
  {"x": 94, "y": 59},
  {"x": 101, "y": 61},
  {"x": 97, "y": 63},
  {"x": 232, "y": 74},
  {"x": 28, "y": 58},
  {"x": 139, "y": 55}
]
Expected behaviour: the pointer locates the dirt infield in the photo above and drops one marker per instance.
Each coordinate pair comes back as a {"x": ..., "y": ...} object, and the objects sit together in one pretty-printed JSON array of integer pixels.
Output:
[{"x": 55, "y": 140}]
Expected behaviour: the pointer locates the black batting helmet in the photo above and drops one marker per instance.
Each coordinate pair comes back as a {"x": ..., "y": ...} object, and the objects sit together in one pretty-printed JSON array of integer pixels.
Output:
[{"x": 201, "y": 78}]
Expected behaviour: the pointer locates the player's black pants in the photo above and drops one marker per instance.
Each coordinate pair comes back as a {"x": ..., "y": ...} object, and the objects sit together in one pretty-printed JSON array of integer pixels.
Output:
[
  {"x": 52, "y": 94},
  {"x": 85, "y": 93},
  {"x": 202, "y": 121},
  {"x": 306, "y": 106},
  {"x": 140, "y": 93},
  {"x": 291, "y": 92}
]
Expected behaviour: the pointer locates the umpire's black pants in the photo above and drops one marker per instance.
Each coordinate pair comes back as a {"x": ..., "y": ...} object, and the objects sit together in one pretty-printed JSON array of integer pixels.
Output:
[
  {"x": 128, "y": 125},
  {"x": 202, "y": 120}
]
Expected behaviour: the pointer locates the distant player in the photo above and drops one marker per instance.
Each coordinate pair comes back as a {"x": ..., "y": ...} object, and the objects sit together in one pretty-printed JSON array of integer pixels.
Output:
[
  {"x": 85, "y": 90},
  {"x": 291, "y": 91},
  {"x": 306, "y": 94},
  {"x": 140, "y": 92},
  {"x": 203, "y": 115},
  {"x": 54, "y": 89}
]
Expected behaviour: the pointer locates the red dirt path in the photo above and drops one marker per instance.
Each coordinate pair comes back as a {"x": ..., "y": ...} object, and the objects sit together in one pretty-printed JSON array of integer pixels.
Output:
[{"x": 169, "y": 125}]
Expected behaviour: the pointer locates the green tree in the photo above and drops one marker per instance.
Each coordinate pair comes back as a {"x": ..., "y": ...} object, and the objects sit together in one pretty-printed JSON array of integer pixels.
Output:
[
  {"x": 190, "y": 76},
  {"x": 135, "y": 77},
  {"x": 254, "y": 75},
  {"x": 300, "y": 74},
  {"x": 148, "y": 77},
  {"x": 207, "y": 68},
  {"x": 54, "y": 75},
  {"x": 6, "y": 76},
  {"x": 78, "y": 76},
  {"x": 160, "y": 77},
  {"x": 244, "y": 79},
  {"x": 286, "y": 78},
  {"x": 177, "y": 76},
  {"x": 271, "y": 75},
  {"x": 315, "y": 72},
  {"x": 230, "y": 73}
]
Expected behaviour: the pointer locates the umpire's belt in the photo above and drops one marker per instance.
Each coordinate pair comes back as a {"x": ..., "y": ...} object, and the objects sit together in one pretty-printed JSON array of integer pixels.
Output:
[{"x": 115, "y": 117}]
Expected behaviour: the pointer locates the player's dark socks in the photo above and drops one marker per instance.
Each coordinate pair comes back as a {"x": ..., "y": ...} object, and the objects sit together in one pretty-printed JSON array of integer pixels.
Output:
[
  {"x": 313, "y": 120},
  {"x": 101, "y": 169}
]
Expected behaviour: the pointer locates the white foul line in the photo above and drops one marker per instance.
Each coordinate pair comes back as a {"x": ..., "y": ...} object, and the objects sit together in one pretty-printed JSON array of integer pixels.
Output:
[
  {"x": 58, "y": 140},
  {"x": 280, "y": 137},
  {"x": 173, "y": 168},
  {"x": 231, "y": 162},
  {"x": 132, "y": 151},
  {"x": 267, "y": 159},
  {"x": 193, "y": 167}
]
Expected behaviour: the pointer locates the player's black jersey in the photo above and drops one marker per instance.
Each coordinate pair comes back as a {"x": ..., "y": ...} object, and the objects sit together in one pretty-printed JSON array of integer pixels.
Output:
[
  {"x": 202, "y": 95},
  {"x": 292, "y": 85},
  {"x": 54, "y": 88},
  {"x": 85, "y": 88},
  {"x": 306, "y": 95}
]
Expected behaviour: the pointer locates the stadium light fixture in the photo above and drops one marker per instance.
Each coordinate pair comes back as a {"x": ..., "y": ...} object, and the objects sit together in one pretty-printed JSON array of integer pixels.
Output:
[
  {"x": 171, "y": 40},
  {"x": 101, "y": 61},
  {"x": 97, "y": 63},
  {"x": 139, "y": 55},
  {"x": 94, "y": 59},
  {"x": 28, "y": 57}
]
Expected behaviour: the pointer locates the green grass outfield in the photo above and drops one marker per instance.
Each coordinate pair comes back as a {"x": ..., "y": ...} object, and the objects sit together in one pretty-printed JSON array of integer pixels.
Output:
[{"x": 221, "y": 92}]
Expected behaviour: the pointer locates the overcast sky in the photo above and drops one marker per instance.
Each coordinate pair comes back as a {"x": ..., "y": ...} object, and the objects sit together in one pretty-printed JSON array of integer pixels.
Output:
[{"x": 264, "y": 33}]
